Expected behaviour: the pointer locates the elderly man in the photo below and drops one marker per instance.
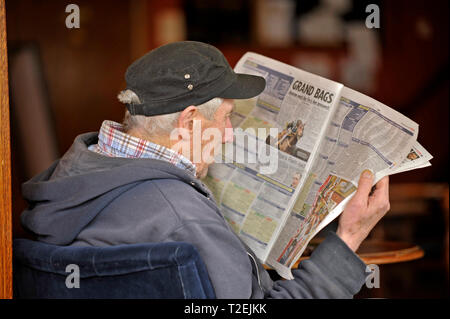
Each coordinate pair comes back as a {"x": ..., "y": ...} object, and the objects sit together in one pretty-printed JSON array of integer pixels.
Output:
[{"x": 130, "y": 183}]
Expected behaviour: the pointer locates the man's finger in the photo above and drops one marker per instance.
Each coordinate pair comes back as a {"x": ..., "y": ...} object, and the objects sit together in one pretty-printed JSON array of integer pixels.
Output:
[
  {"x": 382, "y": 189},
  {"x": 364, "y": 186}
]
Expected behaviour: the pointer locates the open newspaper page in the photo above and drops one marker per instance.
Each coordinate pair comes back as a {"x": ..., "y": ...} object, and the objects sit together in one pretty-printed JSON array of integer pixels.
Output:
[
  {"x": 362, "y": 134},
  {"x": 418, "y": 157},
  {"x": 257, "y": 177}
]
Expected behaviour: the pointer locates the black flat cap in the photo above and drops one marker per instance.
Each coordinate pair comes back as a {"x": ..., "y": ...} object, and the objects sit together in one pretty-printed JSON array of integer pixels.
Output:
[{"x": 174, "y": 76}]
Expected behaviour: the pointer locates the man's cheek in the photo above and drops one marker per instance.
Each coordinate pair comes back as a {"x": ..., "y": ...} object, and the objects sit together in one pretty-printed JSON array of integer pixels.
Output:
[{"x": 212, "y": 139}]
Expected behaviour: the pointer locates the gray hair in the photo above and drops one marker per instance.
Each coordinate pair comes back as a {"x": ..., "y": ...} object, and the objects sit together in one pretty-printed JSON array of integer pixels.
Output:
[{"x": 160, "y": 123}]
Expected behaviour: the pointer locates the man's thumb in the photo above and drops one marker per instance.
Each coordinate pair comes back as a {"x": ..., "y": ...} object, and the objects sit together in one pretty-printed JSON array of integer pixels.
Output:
[{"x": 364, "y": 184}]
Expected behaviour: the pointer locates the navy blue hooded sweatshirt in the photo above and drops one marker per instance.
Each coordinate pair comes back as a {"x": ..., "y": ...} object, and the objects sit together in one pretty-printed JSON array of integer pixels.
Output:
[{"x": 87, "y": 199}]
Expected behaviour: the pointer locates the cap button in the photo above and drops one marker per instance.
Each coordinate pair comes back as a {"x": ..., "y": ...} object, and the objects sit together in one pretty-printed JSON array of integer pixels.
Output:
[
  {"x": 187, "y": 76},
  {"x": 190, "y": 87}
]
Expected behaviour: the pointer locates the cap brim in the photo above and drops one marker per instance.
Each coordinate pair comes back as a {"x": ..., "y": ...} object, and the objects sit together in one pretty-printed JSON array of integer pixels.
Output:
[{"x": 246, "y": 86}]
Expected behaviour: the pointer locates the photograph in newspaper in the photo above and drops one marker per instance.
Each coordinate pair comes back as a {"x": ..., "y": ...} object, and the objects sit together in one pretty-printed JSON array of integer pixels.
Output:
[{"x": 417, "y": 157}]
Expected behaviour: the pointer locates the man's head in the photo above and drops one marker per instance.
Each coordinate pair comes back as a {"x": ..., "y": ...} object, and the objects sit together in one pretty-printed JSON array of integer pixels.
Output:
[
  {"x": 300, "y": 128},
  {"x": 295, "y": 180},
  {"x": 412, "y": 156},
  {"x": 181, "y": 96}
]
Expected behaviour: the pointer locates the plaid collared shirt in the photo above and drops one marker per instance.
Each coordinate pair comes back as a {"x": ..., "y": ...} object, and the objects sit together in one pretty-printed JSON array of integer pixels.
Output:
[{"x": 113, "y": 142}]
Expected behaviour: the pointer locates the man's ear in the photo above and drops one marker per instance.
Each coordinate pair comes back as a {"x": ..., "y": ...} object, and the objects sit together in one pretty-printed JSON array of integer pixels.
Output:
[{"x": 186, "y": 118}]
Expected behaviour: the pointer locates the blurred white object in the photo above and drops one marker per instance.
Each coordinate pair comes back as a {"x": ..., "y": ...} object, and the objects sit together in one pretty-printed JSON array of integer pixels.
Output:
[
  {"x": 338, "y": 6},
  {"x": 274, "y": 20},
  {"x": 324, "y": 25},
  {"x": 359, "y": 68}
]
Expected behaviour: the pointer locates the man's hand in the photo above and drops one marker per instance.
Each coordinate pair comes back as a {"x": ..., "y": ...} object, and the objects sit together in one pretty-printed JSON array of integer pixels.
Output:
[{"x": 364, "y": 210}]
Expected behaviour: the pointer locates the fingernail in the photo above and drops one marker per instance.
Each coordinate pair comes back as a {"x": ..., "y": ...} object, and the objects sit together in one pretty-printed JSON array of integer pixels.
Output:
[{"x": 367, "y": 174}]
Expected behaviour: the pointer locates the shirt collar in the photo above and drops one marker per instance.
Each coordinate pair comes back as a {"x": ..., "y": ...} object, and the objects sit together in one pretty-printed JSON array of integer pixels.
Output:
[{"x": 113, "y": 142}]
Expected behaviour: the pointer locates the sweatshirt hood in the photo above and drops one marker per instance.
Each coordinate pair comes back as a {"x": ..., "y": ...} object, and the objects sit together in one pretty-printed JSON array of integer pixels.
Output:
[{"x": 67, "y": 196}]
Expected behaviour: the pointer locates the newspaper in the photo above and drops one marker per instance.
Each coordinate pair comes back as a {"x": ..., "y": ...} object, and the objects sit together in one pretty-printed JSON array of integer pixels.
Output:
[{"x": 299, "y": 149}]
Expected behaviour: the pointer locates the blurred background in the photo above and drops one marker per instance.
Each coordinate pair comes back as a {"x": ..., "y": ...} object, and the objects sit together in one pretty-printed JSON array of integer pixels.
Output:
[{"x": 64, "y": 82}]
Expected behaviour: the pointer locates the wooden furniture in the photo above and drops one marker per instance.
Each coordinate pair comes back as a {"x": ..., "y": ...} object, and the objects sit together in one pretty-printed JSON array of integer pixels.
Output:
[
  {"x": 5, "y": 168},
  {"x": 385, "y": 252},
  {"x": 419, "y": 213},
  {"x": 382, "y": 252},
  {"x": 375, "y": 252}
]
